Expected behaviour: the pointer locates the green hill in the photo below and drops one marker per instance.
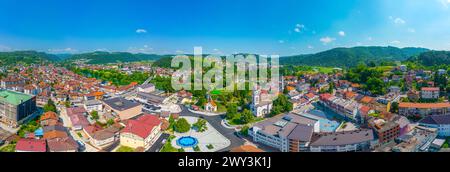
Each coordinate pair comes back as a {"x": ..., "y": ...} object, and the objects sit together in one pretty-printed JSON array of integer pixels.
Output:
[
  {"x": 26, "y": 57},
  {"x": 432, "y": 58},
  {"x": 99, "y": 57},
  {"x": 350, "y": 57}
]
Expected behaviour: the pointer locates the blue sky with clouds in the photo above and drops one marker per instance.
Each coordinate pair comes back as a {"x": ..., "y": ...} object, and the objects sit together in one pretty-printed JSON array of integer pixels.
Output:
[{"x": 283, "y": 27}]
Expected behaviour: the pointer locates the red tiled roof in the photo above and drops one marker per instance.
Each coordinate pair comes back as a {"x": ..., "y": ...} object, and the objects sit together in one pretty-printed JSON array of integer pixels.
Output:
[
  {"x": 142, "y": 126},
  {"x": 31, "y": 145}
]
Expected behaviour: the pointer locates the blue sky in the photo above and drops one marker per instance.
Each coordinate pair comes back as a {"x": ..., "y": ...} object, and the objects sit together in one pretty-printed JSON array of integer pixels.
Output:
[{"x": 284, "y": 27}]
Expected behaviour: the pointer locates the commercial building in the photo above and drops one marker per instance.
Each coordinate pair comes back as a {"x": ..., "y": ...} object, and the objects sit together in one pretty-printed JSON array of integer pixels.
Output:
[
  {"x": 15, "y": 107},
  {"x": 123, "y": 108}
]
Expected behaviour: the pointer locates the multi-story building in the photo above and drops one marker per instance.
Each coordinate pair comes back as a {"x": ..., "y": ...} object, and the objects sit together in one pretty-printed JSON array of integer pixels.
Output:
[
  {"x": 429, "y": 93},
  {"x": 15, "y": 107},
  {"x": 287, "y": 132},
  {"x": 439, "y": 122},
  {"x": 386, "y": 130},
  {"x": 423, "y": 109},
  {"x": 346, "y": 108}
]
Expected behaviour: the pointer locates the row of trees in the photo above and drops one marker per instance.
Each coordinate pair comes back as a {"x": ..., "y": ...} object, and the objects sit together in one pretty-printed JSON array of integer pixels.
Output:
[{"x": 116, "y": 77}]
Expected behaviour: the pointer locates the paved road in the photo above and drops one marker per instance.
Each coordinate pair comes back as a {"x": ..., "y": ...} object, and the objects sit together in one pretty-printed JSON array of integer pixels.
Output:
[
  {"x": 215, "y": 121},
  {"x": 159, "y": 143}
]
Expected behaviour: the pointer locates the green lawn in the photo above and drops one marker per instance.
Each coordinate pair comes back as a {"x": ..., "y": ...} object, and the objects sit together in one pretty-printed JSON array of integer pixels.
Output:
[
  {"x": 8, "y": 148},
  {"x": 237, "y": 120},
  {"x": 125, "y": 149}
]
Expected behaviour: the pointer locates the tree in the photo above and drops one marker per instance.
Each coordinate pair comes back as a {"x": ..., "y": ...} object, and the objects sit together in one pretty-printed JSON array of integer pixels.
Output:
[
  {"x": 182, "y": 126},
  {"x": 394, "y": 107},
  {"x": 94, "y": 115},
  {"x": 67, "y": 104},
  {"x": 50, "y": 106},
  {"x": 110, "y": 122},
  {"x": 244, "y": 130},
  {"x": 200, "y": 125},
  {"x": 231, "y": 111},
  {"x": 247, "y": 117}
]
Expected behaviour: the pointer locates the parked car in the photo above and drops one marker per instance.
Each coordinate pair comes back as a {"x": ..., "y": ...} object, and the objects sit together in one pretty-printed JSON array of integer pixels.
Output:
[{"x": 2, "y": 142}]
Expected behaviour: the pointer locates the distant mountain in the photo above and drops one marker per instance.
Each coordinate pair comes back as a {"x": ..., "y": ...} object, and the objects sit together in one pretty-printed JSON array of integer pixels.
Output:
[
  {"x": 350, "y": 57},
  {"x": 432, "y": 58},
  {"x": 100, "y": 57},
  {"x": 26, "y": 57}
]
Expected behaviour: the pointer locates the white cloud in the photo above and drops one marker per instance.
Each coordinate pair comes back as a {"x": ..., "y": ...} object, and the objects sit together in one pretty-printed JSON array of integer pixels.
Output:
[
  {"x": 179, "y": 51},
  {"x": 369, "y": 38},
  {"x": 359, "y": 44},
  {"x": 144, "y": 49},
  {"x": 327, "y": 40},
  {"x": 299, "y": 27},
  {"x": 141, "y": 31},
  {"x": 398, "y": 20},
  {"x": 281, "y": 41},
  {"x": 411, "y": 30},
  {"x": 445, "y": 3},
  {"x": 5, "y": 48},
  {"x": 64, "y": 50},
  {"x": 396, "y": 42},
  {"x": 341, "y": 33},
  {"x": 310, "y": 47}
]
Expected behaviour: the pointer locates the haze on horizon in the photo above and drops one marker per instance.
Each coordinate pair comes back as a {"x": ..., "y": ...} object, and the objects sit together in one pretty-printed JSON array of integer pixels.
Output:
[{"x": 289, "y": 27}]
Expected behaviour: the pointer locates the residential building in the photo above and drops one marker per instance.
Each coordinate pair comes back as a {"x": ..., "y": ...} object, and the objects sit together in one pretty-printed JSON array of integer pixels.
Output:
[
  {"x": 49, "y": 118},
  {"x": 429, "y": 93},
  {"x": 93, "y": 105},
  {"x": 419, "y": 139},
  {"x": 78, "y": 117},
  {"x": 100, "y": 137}
]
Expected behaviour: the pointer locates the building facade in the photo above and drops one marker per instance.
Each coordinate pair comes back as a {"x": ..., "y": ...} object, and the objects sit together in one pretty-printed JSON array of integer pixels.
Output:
[{"x": 15, "y": 107}]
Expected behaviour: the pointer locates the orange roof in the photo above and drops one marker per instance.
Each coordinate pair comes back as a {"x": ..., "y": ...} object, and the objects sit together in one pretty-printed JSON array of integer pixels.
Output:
[
  {"x": 366, "y": 99},
  {"x": 289, "y": 88},
  {"x": 55, "y": 134},
  {"x": 49, "y": 115},
  {"x": 350, "y": 94},
  {"x": 424, "y": 105},
  {"x": 246, "y": 148},
  {"x": 98, "y": 93}
]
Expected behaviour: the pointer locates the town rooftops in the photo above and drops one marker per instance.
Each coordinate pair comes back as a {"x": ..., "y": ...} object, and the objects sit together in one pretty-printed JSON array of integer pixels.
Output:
[
  {"x": 120, "y": 103},
  {"x": 13, "y": 97},
  {"x": 152, "y": 98},
  {"x": 342, "y": 138},
  {"x": 149, "y": 85},
  {"x": 436, "y": 119},
  {"x": 246, "y": 148},
  {"x": 424, "y": 105},
  {"x": 62, "y": 144},
  {"x": 31, "y": 145},
  {"x": 284, "y": 124}
]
